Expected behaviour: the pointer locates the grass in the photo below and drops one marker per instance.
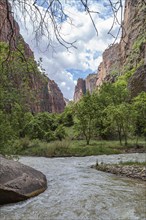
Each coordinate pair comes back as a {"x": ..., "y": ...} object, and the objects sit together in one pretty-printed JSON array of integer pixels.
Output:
[
  {"x": 64, "y": 148},
  {"x": 131, "y": 163}
]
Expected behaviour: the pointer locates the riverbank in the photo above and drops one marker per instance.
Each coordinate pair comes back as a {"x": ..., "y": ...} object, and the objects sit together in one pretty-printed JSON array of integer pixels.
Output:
[
  {"x": 130, "y": 169},
  {"x": 69, "y": 148}
]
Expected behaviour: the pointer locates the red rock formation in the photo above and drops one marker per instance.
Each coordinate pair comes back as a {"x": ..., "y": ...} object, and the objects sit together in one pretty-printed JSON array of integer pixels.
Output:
[
  {"x": 80, "y": 89},
  {"x": 137, "y": 82},
  {"x": 46, "y": 94},
  {"x": 56, "y": 99},
  {"x": 91, "y": 82},
  {"x": 130, "y": 52},
  {"x": 126, "y": 53},
  {"x": 133, "y": 30},
  {"x": 9, "y": 29}
]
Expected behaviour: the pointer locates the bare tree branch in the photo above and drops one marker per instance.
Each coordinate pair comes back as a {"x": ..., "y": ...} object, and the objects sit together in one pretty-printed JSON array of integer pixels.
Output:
[{"x": 52, "y": 13}]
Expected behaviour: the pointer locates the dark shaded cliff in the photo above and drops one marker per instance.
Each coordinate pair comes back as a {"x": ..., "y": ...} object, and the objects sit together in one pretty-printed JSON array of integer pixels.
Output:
[
  {"x": 41, "y": 93},
  {"x": 137, "y": 82}
]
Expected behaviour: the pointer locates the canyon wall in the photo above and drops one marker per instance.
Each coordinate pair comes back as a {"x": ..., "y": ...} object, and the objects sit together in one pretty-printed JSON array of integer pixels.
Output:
[
  {"x": 90, "y": 82},
  {"x": 42, "y": 93},
  {"x": 130, "y": 52},
  {"x": 80, "y": 89}
]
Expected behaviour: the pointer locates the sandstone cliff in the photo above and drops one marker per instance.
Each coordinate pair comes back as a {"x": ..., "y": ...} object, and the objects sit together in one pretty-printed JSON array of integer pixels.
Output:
[
  {"x": 91, "y": 82},
  {"x": 137, "y": 82},
  {"x": 130, "y": 52},
  {"x": 42, "y": 93},
  {"x": 80, "y": 89}
]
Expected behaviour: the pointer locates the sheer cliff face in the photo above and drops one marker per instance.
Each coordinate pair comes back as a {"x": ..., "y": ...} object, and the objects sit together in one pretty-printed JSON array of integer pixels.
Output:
[
  {"x": 129, "y": 53},
  {"x": 56, "y": 100},
  {"x": 46, "y": 94},
  {"x": 126, "y": 53},
  {"x": 82, "y": 86},
  {"x": 90, "y": 82},
  {"x": 137, "y": 82},
  {"x": 9, "y": 29},
  {"x": 80, "y": 89},
  {"x": 134, "y": 29},
  {"x": 110, "y": 64}
]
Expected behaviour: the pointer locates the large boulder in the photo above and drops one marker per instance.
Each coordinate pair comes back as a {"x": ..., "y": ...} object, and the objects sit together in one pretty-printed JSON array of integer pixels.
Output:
[{"x": 19, "y": 182}]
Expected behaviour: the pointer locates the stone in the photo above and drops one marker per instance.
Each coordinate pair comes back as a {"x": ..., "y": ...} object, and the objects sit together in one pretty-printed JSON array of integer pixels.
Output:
[
  {"x": 137, "y": 82},
  {"x": 132, "y": 171},
  {"x": 19, "y": 182},
  {"x": 80, "y": 89},
  {"x": 122, "y": 54},
  {"x": 90, "y": 82},
  {"x": 46, "y": 94}
]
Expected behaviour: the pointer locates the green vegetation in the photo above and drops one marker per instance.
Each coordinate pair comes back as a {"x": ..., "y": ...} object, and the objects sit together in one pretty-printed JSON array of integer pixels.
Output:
[
  {"x": 102, "y": 123},
  {"x": 131, "y": 163}
]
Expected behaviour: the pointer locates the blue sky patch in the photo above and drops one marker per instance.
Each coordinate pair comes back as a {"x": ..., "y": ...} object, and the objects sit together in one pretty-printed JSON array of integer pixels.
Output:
[{"x": 77, "y": 73}]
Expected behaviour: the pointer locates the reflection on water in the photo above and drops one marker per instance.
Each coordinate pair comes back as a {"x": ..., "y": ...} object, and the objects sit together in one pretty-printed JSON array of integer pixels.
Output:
[{"x": 77, "y": 192}]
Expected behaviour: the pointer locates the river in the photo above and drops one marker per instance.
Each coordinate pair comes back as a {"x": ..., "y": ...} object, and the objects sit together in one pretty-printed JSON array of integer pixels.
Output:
[{"x": 78, "y": 192}]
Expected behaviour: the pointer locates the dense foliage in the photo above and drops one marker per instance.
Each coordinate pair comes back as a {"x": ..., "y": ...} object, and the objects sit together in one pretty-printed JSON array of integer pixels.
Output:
[{"x": 108, "y": 114}]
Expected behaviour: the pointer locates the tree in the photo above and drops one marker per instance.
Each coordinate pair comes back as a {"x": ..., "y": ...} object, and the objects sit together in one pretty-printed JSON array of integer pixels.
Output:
[
  {"x": 121, "y": 119},
  {"x": 60, "y": 132},
  {"x": 139, "y": 104},
  {"x": 85, "y": 117},
  {"x": 67, "y": 116},
  {"x": 6, "y": 131},
  {"x": 40, "y": 126}
]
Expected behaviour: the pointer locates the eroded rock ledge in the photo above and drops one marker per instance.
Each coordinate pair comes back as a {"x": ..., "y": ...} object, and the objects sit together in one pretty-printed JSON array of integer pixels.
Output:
[
  {"x": 133, "y": 171},
  {"x": 19, "y": 182}
]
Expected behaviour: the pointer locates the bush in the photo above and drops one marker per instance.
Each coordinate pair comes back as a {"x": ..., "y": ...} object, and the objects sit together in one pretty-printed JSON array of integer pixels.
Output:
[{"x": 60, "y": 133}]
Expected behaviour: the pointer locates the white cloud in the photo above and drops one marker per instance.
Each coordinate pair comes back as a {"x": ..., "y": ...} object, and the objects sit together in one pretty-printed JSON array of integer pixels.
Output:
[{"x": 88, "y": 43}]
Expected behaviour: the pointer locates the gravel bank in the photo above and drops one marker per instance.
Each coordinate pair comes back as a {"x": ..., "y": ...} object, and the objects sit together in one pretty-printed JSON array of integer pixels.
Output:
[{"x": 133, "y": 171}]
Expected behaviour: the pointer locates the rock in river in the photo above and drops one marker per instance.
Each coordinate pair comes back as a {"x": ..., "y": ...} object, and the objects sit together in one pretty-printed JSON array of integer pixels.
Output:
[{"x": 19, "y": 182}]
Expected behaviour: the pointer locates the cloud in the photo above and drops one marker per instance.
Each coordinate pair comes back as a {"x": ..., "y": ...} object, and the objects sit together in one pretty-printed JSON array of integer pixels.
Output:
[{"x": 60, "y": 64}]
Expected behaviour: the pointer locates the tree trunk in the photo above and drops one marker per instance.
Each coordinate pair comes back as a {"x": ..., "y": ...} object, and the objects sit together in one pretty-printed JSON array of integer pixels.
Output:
[{"x": 87, "y": 141}]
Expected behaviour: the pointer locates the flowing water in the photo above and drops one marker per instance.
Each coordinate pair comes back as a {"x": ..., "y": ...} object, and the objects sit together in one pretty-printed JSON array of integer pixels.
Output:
[{"x": 78, "y": 192}]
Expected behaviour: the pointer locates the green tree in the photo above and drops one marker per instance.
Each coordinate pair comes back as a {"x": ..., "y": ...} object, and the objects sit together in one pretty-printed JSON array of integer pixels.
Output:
[
  {"x": 139, "y": 104},
  {"x": 121, "y": 119},
  {"x": 60, "y": 132},
  {"x": 67, "y": 116},
  {"x": 85, "y": 117},
  {"x": 6, "y": 132}
]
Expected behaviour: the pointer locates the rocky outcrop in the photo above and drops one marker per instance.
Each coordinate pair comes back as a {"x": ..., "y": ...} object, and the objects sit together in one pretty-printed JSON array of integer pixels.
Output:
[
  {"x": 42, "y": 94},
  {"x": 130, "y": 52},
  {"x": 9, "y": 29},
  {"x": 19, "y": 182},
  {"x": 137, "y": 82},
  {"x": 133, "y": 32},
  {"x": 80, "y": 89},
  {"x": 56, "y": 99},
  {"x": 67, "y": 101},
  {"x": 110, "y": 66},
  {"x": 91, "y": 82}
]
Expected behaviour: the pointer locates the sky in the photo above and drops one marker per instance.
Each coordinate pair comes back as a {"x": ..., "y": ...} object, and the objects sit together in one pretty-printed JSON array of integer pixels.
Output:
[{"x": 62, "y": 65}]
